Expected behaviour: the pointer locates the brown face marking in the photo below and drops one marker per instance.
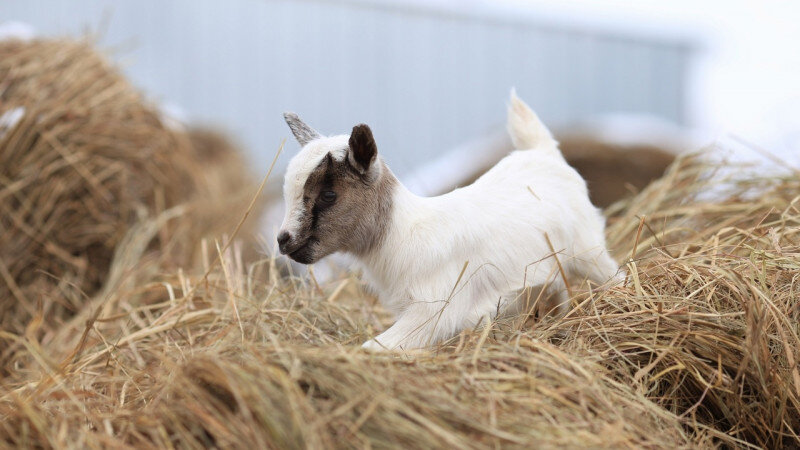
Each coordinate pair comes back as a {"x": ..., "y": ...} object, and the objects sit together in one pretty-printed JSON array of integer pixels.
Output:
[{"x": 344, "y": 209}]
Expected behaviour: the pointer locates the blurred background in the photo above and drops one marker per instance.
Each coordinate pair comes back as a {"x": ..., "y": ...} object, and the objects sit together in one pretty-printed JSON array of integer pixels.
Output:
[{"x": 432, "y": 77}]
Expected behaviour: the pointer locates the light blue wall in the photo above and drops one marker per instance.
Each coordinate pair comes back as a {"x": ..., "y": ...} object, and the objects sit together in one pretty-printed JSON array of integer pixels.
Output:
[{"x": 424, "y": 81}]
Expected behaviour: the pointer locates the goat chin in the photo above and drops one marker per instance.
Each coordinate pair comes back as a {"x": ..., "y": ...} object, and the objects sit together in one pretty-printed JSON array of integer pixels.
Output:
[{"x": 446, "y": 263}]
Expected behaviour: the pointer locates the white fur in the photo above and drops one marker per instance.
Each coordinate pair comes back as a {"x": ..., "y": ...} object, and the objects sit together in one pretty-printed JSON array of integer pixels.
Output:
[
  {"x": 499, "y": 227},
  {"x": 524, "y": 126}
]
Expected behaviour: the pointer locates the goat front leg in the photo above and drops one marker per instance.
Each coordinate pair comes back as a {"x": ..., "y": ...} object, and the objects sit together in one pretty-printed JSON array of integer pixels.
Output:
[{"x": 419, "y": 326}]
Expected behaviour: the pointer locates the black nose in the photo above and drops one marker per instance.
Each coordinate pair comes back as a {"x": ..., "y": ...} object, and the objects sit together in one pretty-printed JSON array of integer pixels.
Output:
[{"x": 283, "y": 238}]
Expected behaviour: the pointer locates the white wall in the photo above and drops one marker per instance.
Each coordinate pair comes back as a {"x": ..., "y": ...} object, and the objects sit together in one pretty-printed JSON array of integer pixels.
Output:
[
  {"x": 427, "y": 77},
  {"x": 747, "y": 80}
]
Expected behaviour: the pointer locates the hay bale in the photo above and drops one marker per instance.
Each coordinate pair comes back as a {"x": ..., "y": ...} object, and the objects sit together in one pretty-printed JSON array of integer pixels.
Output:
[
  {"x": 614, "y": 171},
  {"x": 84, "y": 159},
  {"x": 710, "y": 325},
  {"x": 229, "y": 185}
]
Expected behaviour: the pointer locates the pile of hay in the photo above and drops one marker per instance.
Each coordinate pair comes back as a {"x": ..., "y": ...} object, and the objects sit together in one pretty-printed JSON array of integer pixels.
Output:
[
  {"x": 699, "y": 348},
  {"x": 613, "y": 170},
  {"x": 89, "y": 171}
]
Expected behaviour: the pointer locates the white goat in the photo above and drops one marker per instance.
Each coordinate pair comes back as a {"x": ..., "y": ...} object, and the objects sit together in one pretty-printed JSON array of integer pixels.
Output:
[{"x": 443, "y": 264}]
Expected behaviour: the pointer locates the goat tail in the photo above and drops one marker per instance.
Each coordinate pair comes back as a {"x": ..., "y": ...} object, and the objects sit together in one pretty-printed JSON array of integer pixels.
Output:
[{"x": 524, "y": 126}]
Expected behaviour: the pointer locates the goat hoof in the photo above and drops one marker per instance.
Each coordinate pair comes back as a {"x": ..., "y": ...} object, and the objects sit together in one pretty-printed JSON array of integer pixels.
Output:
[{"x": 374, "y": 346}]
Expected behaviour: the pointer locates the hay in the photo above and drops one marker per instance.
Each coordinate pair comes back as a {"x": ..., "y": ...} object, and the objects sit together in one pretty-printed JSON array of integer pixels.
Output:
[
  {"x": 87, "y": 162},
  {"x": 228, "y": 187},
  {"x": 240, "y": 363},
  {"x": 698, "y": 349},
  {"x": 614, "y": 171},
  {"x": 709, "y": 325}
]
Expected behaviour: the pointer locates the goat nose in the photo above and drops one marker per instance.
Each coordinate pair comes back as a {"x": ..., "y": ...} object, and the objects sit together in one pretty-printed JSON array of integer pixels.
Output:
[{"x": 283, "y": 238}]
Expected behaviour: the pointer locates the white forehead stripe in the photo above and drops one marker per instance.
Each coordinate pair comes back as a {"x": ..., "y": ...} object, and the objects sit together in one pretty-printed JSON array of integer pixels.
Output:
[{"x": 301, "y": 166}]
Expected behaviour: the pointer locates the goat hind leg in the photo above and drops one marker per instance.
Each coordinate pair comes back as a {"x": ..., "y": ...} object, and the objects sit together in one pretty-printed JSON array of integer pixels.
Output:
[{"x": 555, "y": 298}]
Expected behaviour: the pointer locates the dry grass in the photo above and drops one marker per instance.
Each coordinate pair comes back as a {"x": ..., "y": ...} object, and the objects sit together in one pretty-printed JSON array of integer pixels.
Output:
[
  {"x": 698, "y": 349},
  {"x": 89, "y": 161}
]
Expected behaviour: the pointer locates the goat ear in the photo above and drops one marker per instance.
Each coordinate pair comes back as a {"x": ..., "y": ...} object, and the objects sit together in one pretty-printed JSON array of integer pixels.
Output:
[
  {"x": 301, "y": 131},
  {"x": 363, "y": 149}
]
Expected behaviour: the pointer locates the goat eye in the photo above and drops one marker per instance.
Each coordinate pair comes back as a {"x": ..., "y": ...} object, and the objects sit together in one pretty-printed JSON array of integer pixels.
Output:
[{"x": 328, "y": 196}]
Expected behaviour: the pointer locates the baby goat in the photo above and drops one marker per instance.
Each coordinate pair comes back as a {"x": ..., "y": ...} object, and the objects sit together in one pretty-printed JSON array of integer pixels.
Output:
[{"x": 442, "y": 264}]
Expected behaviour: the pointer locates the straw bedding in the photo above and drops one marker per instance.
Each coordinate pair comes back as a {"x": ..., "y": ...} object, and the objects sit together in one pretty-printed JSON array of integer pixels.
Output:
[{"x": 699, "y": 348}]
